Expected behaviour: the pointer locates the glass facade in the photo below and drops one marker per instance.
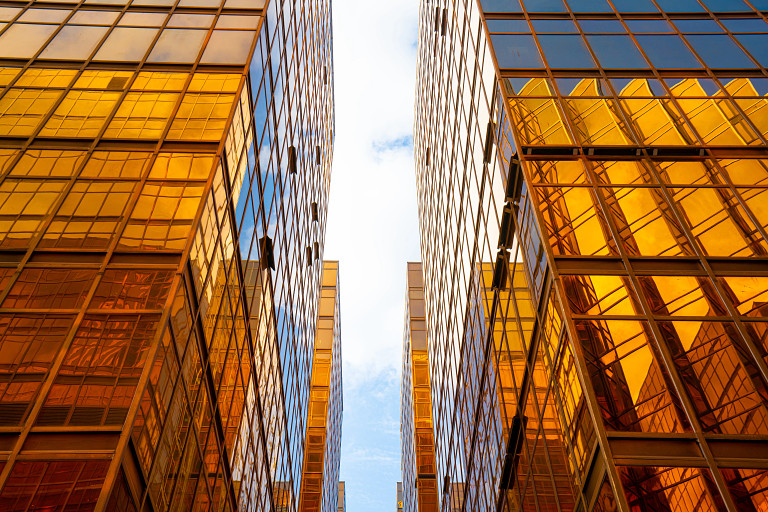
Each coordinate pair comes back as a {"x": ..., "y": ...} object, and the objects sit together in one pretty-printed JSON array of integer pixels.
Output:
[
  {"x": 164, "y": 177},
  {"x": 320, "y": 486},
  {"x": 592, "y": 193}
]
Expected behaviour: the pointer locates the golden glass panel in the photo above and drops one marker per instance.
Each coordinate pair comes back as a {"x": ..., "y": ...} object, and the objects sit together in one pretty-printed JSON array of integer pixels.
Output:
[
  {"x": 536, "y": 115},
  {"x": 115, "y": 164},
  {"x": 74, "y": 42},
  {"x": 685, "y": 173},
  {"x": 6, "y": 157},
  {"x": 23, "y": 40},
  {"x": 748, "y": 294},
  {"x": 142, "y": 115},
  {"x": 560, "y": 171},
  {"x": 596, "y": 120},
  {"x": 7, "y": 75},
  {"x": 34, "y": 15},
  {"x": 718, "y": 223},
  {"x": 23, "y": 207},
  {"x": 748, "y": 487},
  {"x": 654, "y": 120},
  {"x": 81, "y": 114},
  {"x": 631, "y": 388},
  {"x": 600, "y": 295},
  {"x": 46, "y": 77},
  {"x": 681, "y": 296},
  {"x": 751, "y": 103},
  {"x": 214, "y": 82},
  {"x": 22, "y": 110},
  {"x": 48, "y": 163},
  {"x": 201, "y": 117},
  {"x": 182, "y": 166},
  {"x": 143, "y": 19},
  {"x": 111, "y": 80},
  {"x": 622, "y": 172},
  {"x": 673, "y": 489},
  {"x": 94, "y": 17},
  {"x": 745, "y": 171},
  {"x": 126, "y": 44},
  {"x": 159, "y": 81}
]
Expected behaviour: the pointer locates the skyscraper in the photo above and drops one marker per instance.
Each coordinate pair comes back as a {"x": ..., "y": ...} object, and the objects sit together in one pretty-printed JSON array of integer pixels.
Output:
[
  {"x": 320, "y": 491},
  {"x": 164, "y": 175},
  {"x": 591, "y": 185}
]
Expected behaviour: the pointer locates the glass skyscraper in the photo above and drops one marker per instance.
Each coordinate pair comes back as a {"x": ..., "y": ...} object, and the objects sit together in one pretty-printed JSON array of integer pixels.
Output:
[
  {"x": 591, "y": 181},
  {"x": 164, "y": 177}
]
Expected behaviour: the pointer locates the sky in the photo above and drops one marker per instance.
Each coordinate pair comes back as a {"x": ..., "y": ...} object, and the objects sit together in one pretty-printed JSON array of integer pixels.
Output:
[{"x": 373, "y": 232}]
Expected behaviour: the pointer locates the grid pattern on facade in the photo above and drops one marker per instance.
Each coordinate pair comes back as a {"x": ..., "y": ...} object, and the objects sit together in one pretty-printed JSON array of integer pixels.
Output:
[
  {"x": 320, "y": 489},
  {"x": 419, "y": 487},
  {"x": 604, "y": 211},
  {"x": 157, "y": 305}
]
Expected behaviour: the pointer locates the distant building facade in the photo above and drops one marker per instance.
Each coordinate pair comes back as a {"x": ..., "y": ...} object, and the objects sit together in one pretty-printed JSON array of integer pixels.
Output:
[
  {"x": 164, "y": 178},
  {"x": 591, "y": 197}
]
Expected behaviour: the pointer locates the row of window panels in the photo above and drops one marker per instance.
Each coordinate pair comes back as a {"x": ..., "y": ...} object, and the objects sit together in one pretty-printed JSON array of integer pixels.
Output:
[
  {"x": 624, "y": 6},
  {"x": 640, "y": 26},
  {"x": 639, "y": 121},
  {"x": 649, "y": 226}
]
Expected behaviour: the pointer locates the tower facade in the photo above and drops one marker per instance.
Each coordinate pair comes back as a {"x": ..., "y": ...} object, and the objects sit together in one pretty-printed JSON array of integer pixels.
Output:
[
  {"x": 591, "y": 185},
  {"x": 164, "y": 174}
]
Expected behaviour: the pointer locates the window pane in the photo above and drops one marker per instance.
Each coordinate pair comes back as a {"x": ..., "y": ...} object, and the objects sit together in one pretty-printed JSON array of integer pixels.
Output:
[
  {"x": 602, "y": 26},
  {"x": 22, "y": 40},
  {"x": 564, "y": 51},
  {"x": 727, "y": 5},
  {"x": 508, "y": 26},
  {"x": 502, "y": 5},
  {"x": 143, "y": 19},
  {"x": 8, "y": 13},
  {"x": 554, "y": 26},
  {"x": 756, "y": 45},
  {"x": 178, "y": 45},
  {"x": 94, "y": 17},
  {"x": 126, "y": 44},
  {"x": 228, "y": 47},
  {"x": 544, "y": 5},
  {"x": 719, "y": 51},
  {"x": 589, "y": 6},
  {"x": 191, "y": 20},
  {"x": 44, "y": 15},
  {"x": 680, "y": 6},
  {"x": 698, "y": 26},
  {"x": 634, "y": 6},
  {"x": 516, "y": 51},
  {"x": 617, "y": 52},
  {"x": 649, "y": 26},
  {"x": 745, "y": 25},
  {"x": 74, "y": 43},
  {"x": 668, "y": 52}
]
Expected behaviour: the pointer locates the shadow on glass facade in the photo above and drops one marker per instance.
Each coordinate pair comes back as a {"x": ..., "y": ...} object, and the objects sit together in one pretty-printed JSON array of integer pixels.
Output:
[
  {"x": 592, "y": 193},
  {"x": 164, "y": 175}
]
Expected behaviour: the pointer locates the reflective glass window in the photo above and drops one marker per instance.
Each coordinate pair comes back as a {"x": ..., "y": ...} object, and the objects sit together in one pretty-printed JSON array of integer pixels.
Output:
[
  {"x": 74, "y": 42},
  {"x": 589, "y": 6},
  {"x": 616, "y": 51},
  {"x": 516, "y": 51},
  {"x": 501, "y": 6},
  {"x": 508, "y": 26},
  {"x": 649, "y": 26},
  {"x": 668, "y": 51},
  {"x": 22, "y": 40},
  {"x": 143, "y": 19},
  {"x": 602, "y": 26},
  {"x": 544, "y": 5},
  {"x": 228, "y": 47},
  {"x": 191, "y": 20},
  {"x": 566, "y": 51},
  {"x": 8, "y": 13},
  {"x": 126, "y": 44},
  {"x": 680, "y": 6},
  {"x": 94, "y": 17},
  {"x": 554, "y": 26},
  {"x": 44, "y": 15},
  {"x": 745, "y": 24},
  {"x": 698, "y": 26},
  {"x": 756, "y": 45},
  {"x": 634, "y": 6},
  {"x": 178, "y": 45},
  {"x": 719, "y": 51},
  {"x": 726, "y": 5},
  {"x": 237, "y": 21}
]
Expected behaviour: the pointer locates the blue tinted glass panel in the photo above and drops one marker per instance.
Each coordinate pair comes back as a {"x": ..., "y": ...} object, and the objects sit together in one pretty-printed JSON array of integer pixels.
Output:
[
  {"x": 649, "y": 26},
  {"x": 634, "y": 6},
  {"x": 516, "y": 51},
  {"x": 680, "y": 6},
  {"x": 668, "y": 52},
  {"x": 745, "y": 25},
  {"x": 760, "y": 5},
  {"x": 727, "y": 6},
  {"x": 501, "y": 6},
  {"x": 617, "y": 52},
  {"x": 544, "y": 5},
  {"x": 756, "y": 45},
  {"x": 564, "y": 51},
  {"x": 508, "y": 26},
  {"x": 554, "y": 26},
  {"x": 589, "y": 6},
  {"x": 719, "y": 51},
  {"x": 602, "y": 26},
  {"x": 698, "y": 26}
]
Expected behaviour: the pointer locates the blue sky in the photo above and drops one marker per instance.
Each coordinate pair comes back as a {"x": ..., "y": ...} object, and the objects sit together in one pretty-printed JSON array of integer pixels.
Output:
[{"x": 373, "y": 232}]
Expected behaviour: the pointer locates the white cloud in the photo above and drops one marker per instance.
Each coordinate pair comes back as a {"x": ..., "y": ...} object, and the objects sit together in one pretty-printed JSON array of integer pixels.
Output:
[{"x": 373, "y": 232}]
